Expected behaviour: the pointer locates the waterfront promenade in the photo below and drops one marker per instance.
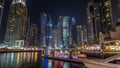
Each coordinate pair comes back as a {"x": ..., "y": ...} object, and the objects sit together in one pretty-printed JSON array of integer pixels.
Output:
[
  {"x": 8, "y": 51},
  {"x": 65, "y": 59}
]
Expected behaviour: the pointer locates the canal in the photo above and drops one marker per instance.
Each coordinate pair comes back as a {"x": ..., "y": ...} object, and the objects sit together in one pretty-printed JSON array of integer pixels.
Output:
[{"x": 32, "y": 60}]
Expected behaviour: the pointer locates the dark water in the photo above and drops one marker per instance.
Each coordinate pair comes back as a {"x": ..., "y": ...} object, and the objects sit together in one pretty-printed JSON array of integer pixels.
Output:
[{"x": 32, "y": 60}]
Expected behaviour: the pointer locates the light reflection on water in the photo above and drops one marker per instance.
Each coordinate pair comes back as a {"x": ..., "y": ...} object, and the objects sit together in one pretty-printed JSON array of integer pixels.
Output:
[{"x": 31, "y": 60}]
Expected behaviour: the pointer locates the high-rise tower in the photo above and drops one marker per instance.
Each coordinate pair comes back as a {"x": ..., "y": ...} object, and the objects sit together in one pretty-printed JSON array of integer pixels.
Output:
[
  {"x": 59, "y": 31},
  {"x": 46, "y": 30},
  {"x": 33, "y": 35},
  {"x": 73, "y": 30},
  {"x": 16, "y": 26},
  {"x": 63, "y": 26},
  {"x": 100, "y": 18},
  {"x": 79, "y": 35},
  {"x": 42, "y": 36}
]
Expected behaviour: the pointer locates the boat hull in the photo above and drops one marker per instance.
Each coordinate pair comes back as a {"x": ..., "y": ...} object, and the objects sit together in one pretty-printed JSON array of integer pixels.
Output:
[{"x": 91, "y": 64}]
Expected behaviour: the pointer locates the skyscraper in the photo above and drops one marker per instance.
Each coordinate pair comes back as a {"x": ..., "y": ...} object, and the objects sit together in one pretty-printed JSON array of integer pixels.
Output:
[
  {"x": 16, "y": 25},
  {"x": 54, "y": 38},
  {"x": 42, "y": 36},
  {"x": 100, "y": 18},
  {"x": 33, "y": 35},
  {"x": 90, "y": 22},
  {"x": 85, "y": 39},
  {"x": 79, "y": 35},
  {"x": 73, "y": 30},
  {"x": 59, "y": 31},
  {"x": 63, "y": 26},
  {"x": 46, "y": 31}
]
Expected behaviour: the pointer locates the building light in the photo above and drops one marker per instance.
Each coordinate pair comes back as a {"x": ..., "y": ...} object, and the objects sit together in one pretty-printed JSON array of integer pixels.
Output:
[
  {"x": 11, "y": 30},
  {"x": 109, "y": 23},
  {"x": 13, "y": 19},
  {"x": 89, "y": 20},
  {"x": 88, "y": 17},
  {"x": 106, "y": 3},
  {"x": 100, "y": 4},
  {"x": 107, "y": 9}
]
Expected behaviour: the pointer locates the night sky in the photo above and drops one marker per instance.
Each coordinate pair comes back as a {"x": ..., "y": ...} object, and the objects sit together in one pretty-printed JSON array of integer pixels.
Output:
[{"x": 72, "y": 8}]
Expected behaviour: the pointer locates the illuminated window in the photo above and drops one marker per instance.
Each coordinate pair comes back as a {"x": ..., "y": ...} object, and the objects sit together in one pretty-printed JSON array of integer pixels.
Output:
[
  {"x": 88, "y": 17},
  {"x": 13, "y": 19},
  {"x": 107, "y": 15},
  {"x": 96, "y": 18},
  {"x": 89, "y": 20},
  {"x": 98, "y": 14},
  {"x": 12, "y": 11},
  {"x": 10, "y": 20},
  {"x": 11, "y": 30},
  {"x": 95, "y": 8},
  {"x": 100, "y": 4},
  {"x": 103, "y": 20},
  {"x": 106, "y": 3},
  {"x": 107, "y": 9},
  {"x": 109, "y": 23}
]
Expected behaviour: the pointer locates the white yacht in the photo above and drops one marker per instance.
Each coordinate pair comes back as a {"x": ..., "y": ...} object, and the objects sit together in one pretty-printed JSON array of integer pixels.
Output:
[{"x": 111, "y": 62}]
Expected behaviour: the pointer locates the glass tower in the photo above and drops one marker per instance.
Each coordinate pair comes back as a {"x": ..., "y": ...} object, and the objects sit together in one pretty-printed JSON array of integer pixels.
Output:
[
  {"x": 100, "y": 18},
  {"x": 16, "y": 25},
  {"x": 63, "y": 27},
  {"x": 46, "y": 31}
]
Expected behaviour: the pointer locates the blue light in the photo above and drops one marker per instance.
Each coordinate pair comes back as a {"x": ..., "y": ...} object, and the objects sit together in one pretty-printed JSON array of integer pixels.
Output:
[
  {"x": 45, "y": 63},
  {"x": 73, "y": 19},
  {"x": 48, "y": 36},
  {"x": 48, "y": 25},
  {"x": 118, "y": 20}
]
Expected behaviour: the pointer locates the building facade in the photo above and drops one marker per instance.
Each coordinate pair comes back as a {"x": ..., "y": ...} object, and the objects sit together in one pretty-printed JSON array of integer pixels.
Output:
[
  {"x": 115, "y": 35},
  {"x": 43, "y": 19},
  {"x": 63, "y": 32},
  {"x": 73, "y": 31},
  {"x": 16, "y": 25},
  {"x": 79, "y": 36},
  {"x": 33, "y": 35},
  {"x": 100, "y": 18},
  {"x": 59, "y": 31},
  {"x": 54, "y": 38},
  {"x": 46, "y": 31}
]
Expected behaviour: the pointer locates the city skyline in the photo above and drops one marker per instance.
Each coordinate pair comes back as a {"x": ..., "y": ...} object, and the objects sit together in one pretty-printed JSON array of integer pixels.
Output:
[
  {"x": 77, "y": 33},
  {"x": 45, "y": 23},
  {"x": 55, "y": 8}
]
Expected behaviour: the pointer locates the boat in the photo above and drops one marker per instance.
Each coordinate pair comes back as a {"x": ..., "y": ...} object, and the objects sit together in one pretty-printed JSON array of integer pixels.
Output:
[{"x": 111, "y": 62}]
